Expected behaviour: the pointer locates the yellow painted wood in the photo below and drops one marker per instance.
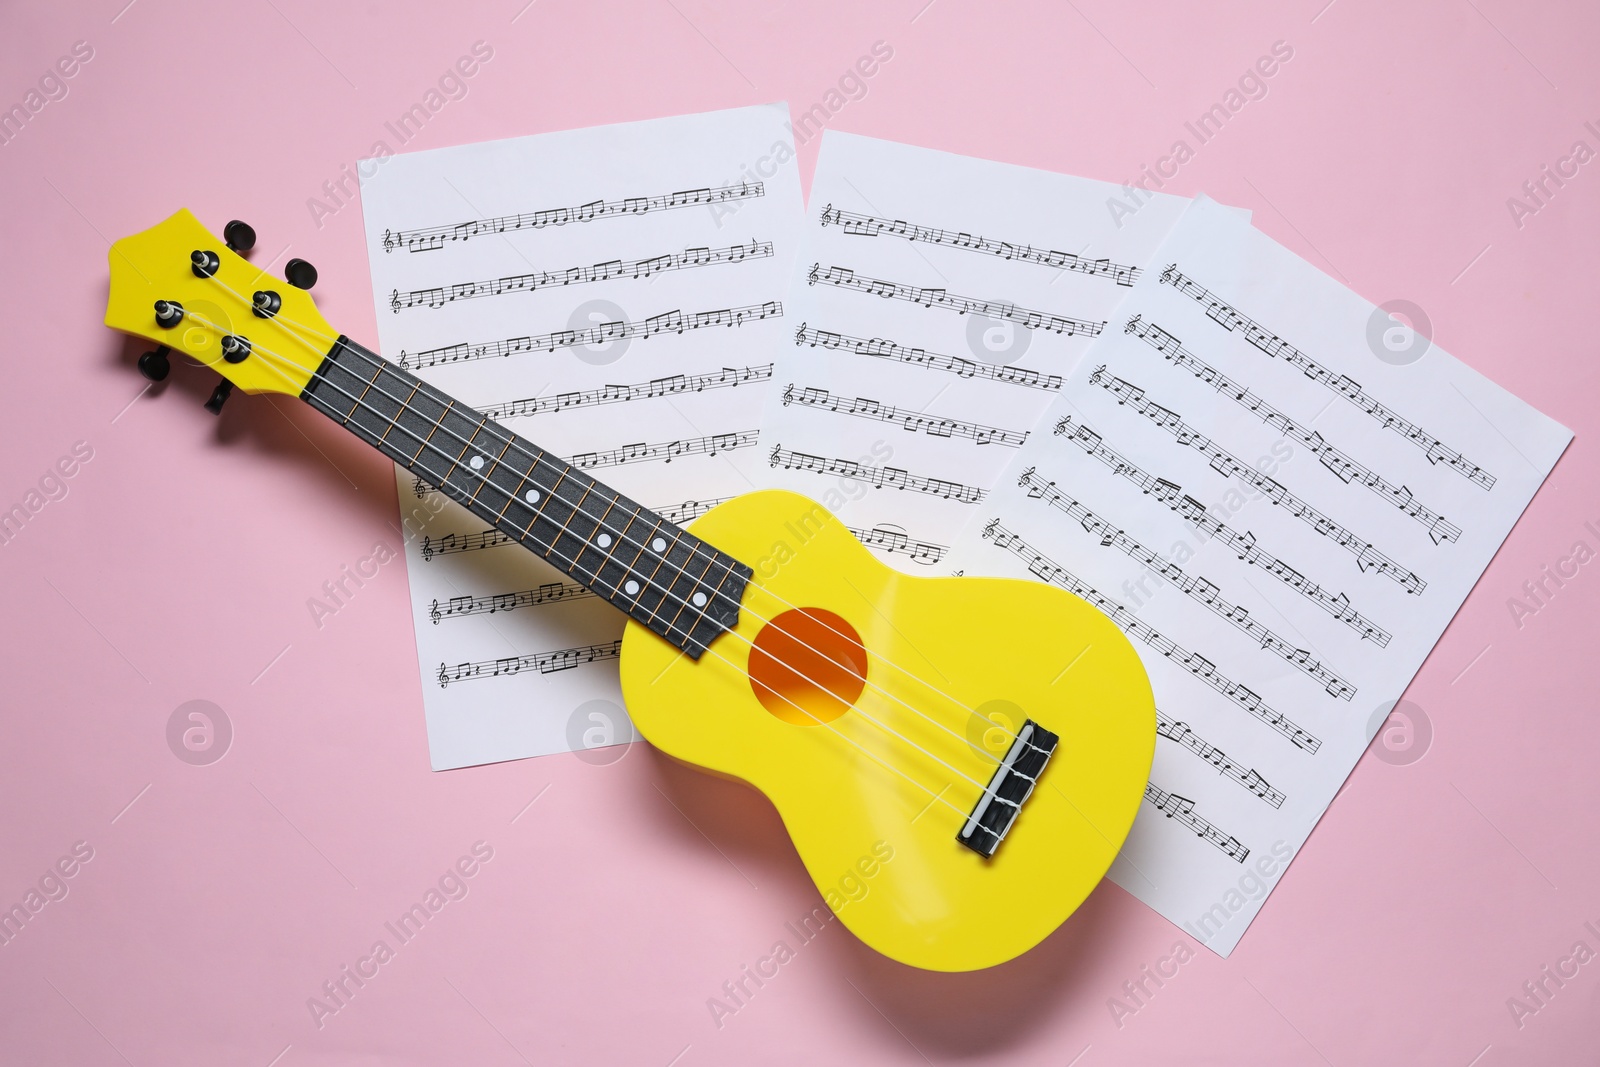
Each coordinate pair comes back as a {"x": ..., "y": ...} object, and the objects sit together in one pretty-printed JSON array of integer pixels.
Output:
[
  {"x": 154, "y": 265},
  {"x": 874, "y": 816}
]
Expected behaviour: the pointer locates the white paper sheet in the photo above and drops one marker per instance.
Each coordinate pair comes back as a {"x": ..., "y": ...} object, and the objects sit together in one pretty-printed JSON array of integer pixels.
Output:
[
  {"x": 938, "y": 302},
  {"x": 614, "y": 295},
  {"x": 1282, "y": 521}
]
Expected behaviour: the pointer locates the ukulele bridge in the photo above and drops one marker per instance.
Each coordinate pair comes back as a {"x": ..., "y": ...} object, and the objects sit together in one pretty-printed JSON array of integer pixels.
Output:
[{"x": 1013, "y": 782}]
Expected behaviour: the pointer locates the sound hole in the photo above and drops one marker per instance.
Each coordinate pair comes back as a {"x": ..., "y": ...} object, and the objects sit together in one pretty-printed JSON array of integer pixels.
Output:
[{"x": 808, "y": 666}]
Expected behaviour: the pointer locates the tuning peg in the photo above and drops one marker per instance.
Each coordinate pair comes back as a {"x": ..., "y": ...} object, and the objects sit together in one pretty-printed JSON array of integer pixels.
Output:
[
  {"x": 204, "y": 263},
  {"x": 241, "y": 236},
  {"x": 219, "y": 396},
  {"x": 154, "y": 365},
  {"x": 300, "y": 274},
  {"x": 235, "y": 349},
  {"x": 265, "y": 303},
  {"x": 168, "y": 313}
]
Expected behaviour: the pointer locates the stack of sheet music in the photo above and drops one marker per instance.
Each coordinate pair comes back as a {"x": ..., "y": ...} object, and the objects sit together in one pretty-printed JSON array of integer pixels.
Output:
[{"x": 1280, "y": 492}]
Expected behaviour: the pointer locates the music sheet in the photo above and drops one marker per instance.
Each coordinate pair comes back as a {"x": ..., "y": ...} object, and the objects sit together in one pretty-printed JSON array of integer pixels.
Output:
[
  {"x": 938, "y": 302},
  {"x": 1282, "y": 504},
  {"x": 615, "y": 295}
]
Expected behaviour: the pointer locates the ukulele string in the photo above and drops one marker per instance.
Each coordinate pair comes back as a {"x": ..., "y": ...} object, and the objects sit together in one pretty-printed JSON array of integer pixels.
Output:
[
  {"x": 667, "y": 591},
  {"x": 538, "y": 460}
]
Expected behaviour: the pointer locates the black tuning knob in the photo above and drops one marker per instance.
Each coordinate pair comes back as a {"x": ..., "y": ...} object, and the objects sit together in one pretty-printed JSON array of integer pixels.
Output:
[
  {"x": 241, "y": 236},
  {"x": 265, "y": 303},
  {"x": 168, "y": 313},
  {"x": 154, "y": 365},
  {"x": 300, "y": 274},
  {"x": 204, "y": 264},
  {"x": 235, "y": 349},
  {"x": 219, "y": 396}
]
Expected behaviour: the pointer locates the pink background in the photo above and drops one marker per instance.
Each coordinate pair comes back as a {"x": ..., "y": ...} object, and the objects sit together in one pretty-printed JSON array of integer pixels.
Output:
[{"x": 179, "y": 564}]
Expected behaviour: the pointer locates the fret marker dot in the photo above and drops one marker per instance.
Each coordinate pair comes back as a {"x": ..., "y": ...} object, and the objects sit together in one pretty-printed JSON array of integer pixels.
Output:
[
  {"x": 477, "y": 463},
  {"x": 531, "y": 496},
  {"x": 699, "y": 600},
  {"x": 659, "y": 544},
  {"x": 604, "y": 540},
  {"x": 631, "y": 587}
]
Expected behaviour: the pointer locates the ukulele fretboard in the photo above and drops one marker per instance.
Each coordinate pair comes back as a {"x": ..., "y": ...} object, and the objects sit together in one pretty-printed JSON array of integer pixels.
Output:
[{"x": 658, "y": 573}]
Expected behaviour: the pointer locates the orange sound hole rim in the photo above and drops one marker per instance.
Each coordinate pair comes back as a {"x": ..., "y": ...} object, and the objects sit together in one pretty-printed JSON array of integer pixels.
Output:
[{"x": 808, "y": 666}]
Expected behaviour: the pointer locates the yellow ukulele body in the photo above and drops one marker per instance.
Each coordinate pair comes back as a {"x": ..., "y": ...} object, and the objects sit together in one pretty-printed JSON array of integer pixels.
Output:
[{"x": 917, "y": 687}]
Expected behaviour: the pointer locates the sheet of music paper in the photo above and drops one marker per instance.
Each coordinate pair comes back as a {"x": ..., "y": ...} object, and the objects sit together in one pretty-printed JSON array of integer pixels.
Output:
[
  {"x": 614, "y": 295},
  {"x": 1283, "y": 510},
  {"x": 938, "y": 302}
]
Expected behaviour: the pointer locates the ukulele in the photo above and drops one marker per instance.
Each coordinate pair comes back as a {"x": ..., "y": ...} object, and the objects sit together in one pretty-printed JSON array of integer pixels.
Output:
[{"x": 957, "y": 760}]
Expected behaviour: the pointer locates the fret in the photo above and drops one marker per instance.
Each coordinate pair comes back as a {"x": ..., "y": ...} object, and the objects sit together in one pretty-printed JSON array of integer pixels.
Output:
[
  {"x": 660, "y": 549},
  {"x": 658, "y": 573},
  {"x": 486, "y": 475},
  {"x": 453, "y": 435},
  {"x": 579, "y": 528},
  {"x": 605, "y": 539},
  {"x": 692, "y": 585},
  {"x": 518, "y": 474},
  {"x": 479, "y": 459},
  {"x": 384, "y": 441},
  {"x": 623, "y": 539},
  {"x": 668, "y": 557},
  {"x": 543, "y": 486}
]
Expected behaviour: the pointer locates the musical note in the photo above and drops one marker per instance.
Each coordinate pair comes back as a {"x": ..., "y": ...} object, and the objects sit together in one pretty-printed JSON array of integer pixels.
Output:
[
  {"x": 1047, "y": 570},
  {"x": 1228, "y": 465},
  {"x": 913, "y": 421},
  {"x": 544, "y": 279},
  {"x": 431, "y": 238},
  {"x": 726, "y": 378},
  {"x": 1181, "y": 810},
  {"x": 681, "y": 514},
  {"x": 709, "y": 445},
  {"x": 564, "y": 659},
  {"x": 548, "y": 593},
  {"x": 1171, "y": 496},
  {"x": 917, "y": 357},
  {"x": 1182, "y": 734},
  {"x": 1338, "y": 463},
  {"x": 1230, "y": 319},
  {"x": 673, "y": 322},
  {"x": 844, "y": 278},
  {"x": 871, "y": 226},
  {"x": 877, "y": 477},
  {"x": 453, "y": 542},
  {"x": 889, "y": 538},
  {"x": 1197, "y": 589}
]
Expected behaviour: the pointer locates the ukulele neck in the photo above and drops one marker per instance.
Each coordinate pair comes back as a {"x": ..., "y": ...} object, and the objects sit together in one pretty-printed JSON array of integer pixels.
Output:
[{"x": 655, "y": 571}]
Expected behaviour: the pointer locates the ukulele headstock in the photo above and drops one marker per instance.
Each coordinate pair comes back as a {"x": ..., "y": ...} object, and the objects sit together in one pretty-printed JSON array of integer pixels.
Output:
[{"x": 183, "y": 288}]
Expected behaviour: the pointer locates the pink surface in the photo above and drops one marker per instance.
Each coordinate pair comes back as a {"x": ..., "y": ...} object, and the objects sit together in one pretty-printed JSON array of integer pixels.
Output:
[{"x": 177, "y": 567}]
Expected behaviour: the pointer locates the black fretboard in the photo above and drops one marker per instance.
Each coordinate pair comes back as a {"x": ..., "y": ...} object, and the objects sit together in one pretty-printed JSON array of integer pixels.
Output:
[{"x": 658, "y": 573}]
